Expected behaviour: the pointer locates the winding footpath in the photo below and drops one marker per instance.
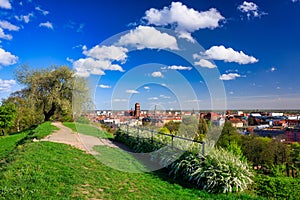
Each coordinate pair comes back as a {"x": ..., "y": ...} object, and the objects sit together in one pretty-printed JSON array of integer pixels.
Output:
[{"x": 84, "y": 142}]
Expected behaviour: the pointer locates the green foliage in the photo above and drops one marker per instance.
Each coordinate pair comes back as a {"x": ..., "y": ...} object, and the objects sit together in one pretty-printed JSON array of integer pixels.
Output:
[
  {"x": 189, "y": 127},
  {"x": 218, "y": 172},
  {"x": 264, "y": 151},
  {"x": 7, "y": 116},
  {"x": 295, "y": 151},
  {"x": 277, "y": 187},
  {"x": 202, "y": 127},
  {"x": 236, "y": 150},
  {"x": 229, "y": 134},
  {"x": 172, "y": 126},
  {"x": 165, "y": 130},
  {"x": 202, "y": 130},
  {"x": 139, "y": 145},
  {"x": 25, "y": 112},
  {"x": 51, "y": 92}
]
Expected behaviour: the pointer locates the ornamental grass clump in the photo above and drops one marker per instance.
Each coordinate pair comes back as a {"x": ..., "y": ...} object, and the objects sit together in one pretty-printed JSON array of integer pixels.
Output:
[{"x": 218, "y": 172}]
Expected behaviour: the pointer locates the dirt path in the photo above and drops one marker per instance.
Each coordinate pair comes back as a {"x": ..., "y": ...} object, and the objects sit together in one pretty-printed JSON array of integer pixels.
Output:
[
  {"x": 84, "y": 142},
  {"x": 65, "y": 135}
]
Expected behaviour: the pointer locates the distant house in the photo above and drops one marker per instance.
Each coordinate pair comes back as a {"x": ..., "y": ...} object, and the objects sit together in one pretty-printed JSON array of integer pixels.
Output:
[
  {"x": 255, "y": 114},
  {"x": 236, "y": 122},
  {"x": 219, "y": 122},
  {"x": 292, "y": 135}
]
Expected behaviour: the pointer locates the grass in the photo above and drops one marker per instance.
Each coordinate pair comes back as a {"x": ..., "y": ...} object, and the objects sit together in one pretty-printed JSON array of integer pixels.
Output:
[
  {"x": 121, "y": 161},
  {"x": 43, "y": 130},
  {"x": 46, "y": 170},
  {"x": 8, "y": 143},
  {"x": 87, "y": 129}
]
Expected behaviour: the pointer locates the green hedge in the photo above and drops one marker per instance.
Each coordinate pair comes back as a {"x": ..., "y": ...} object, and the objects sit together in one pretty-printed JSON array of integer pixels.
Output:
[
  {"x": 218, "y": 172},
  {"x": 278, "y": 187},
  {"x": 139, "y": 145}
]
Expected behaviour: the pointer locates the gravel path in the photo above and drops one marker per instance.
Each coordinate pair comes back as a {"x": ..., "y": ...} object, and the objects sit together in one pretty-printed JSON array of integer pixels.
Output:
[{"x": 84, "y": 142}]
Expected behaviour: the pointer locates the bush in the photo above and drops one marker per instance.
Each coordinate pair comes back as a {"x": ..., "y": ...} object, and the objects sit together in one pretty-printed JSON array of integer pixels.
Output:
[
  {"x": 218, "y": 172},
  {"x": 139, "y": 145},
  {"x": 277, "y": 187}
]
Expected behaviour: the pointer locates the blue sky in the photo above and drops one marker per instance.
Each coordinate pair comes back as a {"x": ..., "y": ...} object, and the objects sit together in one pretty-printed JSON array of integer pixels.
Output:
[{"x": 194, "y": 54}]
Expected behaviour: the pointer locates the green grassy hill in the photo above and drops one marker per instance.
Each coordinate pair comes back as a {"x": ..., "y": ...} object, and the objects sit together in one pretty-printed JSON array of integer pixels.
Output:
[{"x": 45, "y": 170}]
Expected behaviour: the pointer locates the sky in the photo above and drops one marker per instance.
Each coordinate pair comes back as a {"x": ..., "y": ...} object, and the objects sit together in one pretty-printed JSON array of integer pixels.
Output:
[{"x": 193, "y": 54}]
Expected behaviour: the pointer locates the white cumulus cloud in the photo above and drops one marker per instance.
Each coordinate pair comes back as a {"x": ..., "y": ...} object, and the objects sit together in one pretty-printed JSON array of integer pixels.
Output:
[
  {"x": 148, "y": 37},
  {"x": 5, "y": 4},
  {"x": 250, "y": 9},
  {"x": 164, "y": 96},
  {"x": 6, "y": 85},
  {"x": 6, "y": 58},
  {"x": 157, "y": 74},
  {"x": 99, "y": 59},
  {"x": 106, "y": 53},
  {"x": 152, "y": 98},
  {"x": 4, "y": 35},
  {"x": 177, "y": 67},
  {"x": 25, "y": 18},
  {"x": 184, "y": 20},
  {"x": 230, "y": 76},
  {"x": 104, "y": 86},
  {"x": 87, "y": 66},
  {"x": 120, "y": 100},
  {"x": 44, "y": 12},
  {"x": 147, "y": 88},
  {"x": 228, "y": 55},
  {"x": 8, "y": 26},
  {"x": 46, "y": 24},
  {"x": 132, "y": 92},
  {"x": 203, "y": 62}
]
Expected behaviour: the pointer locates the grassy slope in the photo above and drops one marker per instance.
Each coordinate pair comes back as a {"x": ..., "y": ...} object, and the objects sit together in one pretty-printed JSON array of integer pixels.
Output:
[
  {"x": 45, "y": 170},
  {"x": 48, "y": 170},
  {"x": 8, "y": 143},
  {"x": 87, "y": 129},
  {"x": 44, "y": 130}
]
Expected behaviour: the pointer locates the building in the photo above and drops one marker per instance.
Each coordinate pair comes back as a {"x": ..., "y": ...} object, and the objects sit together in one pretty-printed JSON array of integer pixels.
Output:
[
  {"x": 137, "y": 110},
  {"x": 292, "y": 135}
]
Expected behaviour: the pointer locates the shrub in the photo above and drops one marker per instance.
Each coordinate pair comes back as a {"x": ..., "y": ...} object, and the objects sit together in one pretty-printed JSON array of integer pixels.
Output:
[
  {"x": 277, "y": 187},
  {"x": 218, "y": 172}
]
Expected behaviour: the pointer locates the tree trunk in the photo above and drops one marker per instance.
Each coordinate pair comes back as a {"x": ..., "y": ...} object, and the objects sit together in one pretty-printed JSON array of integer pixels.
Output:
[{"x": 50, "y": 113}]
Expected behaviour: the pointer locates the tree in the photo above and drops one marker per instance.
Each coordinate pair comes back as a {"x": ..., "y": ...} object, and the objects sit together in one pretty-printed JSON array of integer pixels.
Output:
[
  {"x": 7, "y": 116},
  {"x": 25, "y": 112},
  {"x": 172, "y": 126},
  {"x": 188, "y": 127},
  {"x": 51, "y": 91},
  {"x": 229, "y": 134},
  {"x": 202, "y": 130}
]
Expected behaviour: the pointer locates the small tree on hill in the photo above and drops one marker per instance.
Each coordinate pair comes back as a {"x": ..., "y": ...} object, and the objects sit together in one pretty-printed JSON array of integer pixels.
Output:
[{"x": 7, "y": 116}]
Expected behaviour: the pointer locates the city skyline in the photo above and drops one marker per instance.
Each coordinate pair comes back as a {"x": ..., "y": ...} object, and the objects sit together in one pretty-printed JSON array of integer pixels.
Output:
[{"x": 198, "y": 55}]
